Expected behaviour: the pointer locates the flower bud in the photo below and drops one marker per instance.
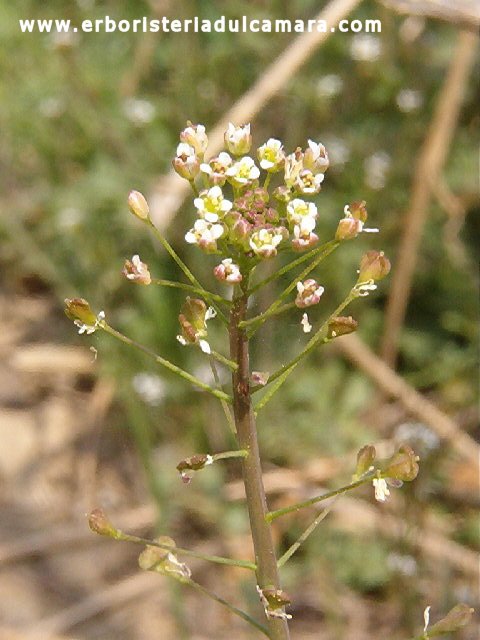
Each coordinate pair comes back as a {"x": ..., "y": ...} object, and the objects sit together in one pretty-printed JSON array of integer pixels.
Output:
[
  {"x": 365, "y": 459},
  {"x": 99, "y": 523},
  {"x": 309, "y": 293},
  {"x": 186, "y": 163},
  {"x": 137, "y": 271},
  {"x": 403, "y": 465},
  {"x": 358, "y": 210},
  {"x": 78, "y": 309},
  {"x": 238, "y": 140},
  {"x": 315, "y": 157},
  {"x": 194, "y": 135},
  {"x": 373, "y": 266},
  {"x": 348, "y": 228},
  {"x": 456, "y": 619},
  {"x": 282, "y": 194},
  {"x": 341, "y": 326},
  {"x": 138, "y": 205},
  {"x": 192, "y": 319},
  {"x": 227, "y": 271},
  {"x": 188, "y": 466}
]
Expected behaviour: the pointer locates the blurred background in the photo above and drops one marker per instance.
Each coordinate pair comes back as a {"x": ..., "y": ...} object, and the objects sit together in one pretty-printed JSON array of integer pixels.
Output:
[{"x": 87, "y": 117}]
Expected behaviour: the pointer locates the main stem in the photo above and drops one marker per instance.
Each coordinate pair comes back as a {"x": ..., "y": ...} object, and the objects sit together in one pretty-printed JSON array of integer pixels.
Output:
[{"x": 265, "y": 559}]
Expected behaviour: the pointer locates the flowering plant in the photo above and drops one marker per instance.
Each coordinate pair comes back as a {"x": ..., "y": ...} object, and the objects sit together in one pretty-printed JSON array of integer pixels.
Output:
[{"x": 250, "y": 207}]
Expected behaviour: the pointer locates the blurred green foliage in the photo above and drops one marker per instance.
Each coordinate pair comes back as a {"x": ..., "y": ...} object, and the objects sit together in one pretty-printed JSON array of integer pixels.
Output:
[{"x": 86, "y": 119}]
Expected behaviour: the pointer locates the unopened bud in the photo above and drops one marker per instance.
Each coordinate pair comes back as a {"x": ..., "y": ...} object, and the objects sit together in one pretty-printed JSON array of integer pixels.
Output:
[
  {"x": 188, "y": 466},
  {"x": 348, "y": 228},
  {"x": 373, "y": 266},
  {"x": 99, "y": 523},
  {"x": 341, "y": 326},
  {"x": 78, "y": 309},
  {"x": 238, "y": 140},
  {"x": 365, "y": 459},
  {"x": 403, "y": 465},
  {"x": 456, "y": 619},
  {"x": 138, "y": 205}
]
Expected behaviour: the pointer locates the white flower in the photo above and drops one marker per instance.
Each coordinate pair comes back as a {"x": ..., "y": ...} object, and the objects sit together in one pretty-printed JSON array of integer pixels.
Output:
[
  {"x": 307, "y": 327},
  {"x": 238, "y": 140},
  {"x": 308, "y": 183},
  {"x": 211, "y": 205},
  {"x": 293, "y": 166},
  {"x": 271, "y": 155},
  {"x": 409, "y": 100},
  {"x": 186, "y": 162},
  {"x": 204, "y": 346},
  {"x": 376, "y": 169},
  {"x": 363, "y": 289},
  {"x": 243, "y": 172},
  {"x": 264, "y": 242},
  {"x": 309, "y": 293},
  {"x": 315, "y": 157},
  {"x": 228, "y": 271},
  {"x": 330, "y": 85},
  {"x": 303, "y": 239},
  {"x": 90, "y": 328},
  {"x": 195, "y": 136},
  {"x": 140, "y": 112},
  {"x": 216, "y": 169},
  {"x": 365, "y": 48},
  {"x": 205, "y": 234},
  {"x": 298, "y": 211},
  {"x": 381, "y": 490}
]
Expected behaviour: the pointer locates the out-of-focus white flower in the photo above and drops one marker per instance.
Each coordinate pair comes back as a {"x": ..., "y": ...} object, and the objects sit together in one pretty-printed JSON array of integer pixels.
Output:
[
  {"x": 376, "y": 169},
  {"x": 139, "y": 112},
  {"x": 409, "y": 100},
  {"x": 149, "y": 387},
  {"x": 330, "y": 85},
  {"x": 51, "y": 107},
  {"x": 426, "y": 618},
  {"x": 365, "y": 48}
]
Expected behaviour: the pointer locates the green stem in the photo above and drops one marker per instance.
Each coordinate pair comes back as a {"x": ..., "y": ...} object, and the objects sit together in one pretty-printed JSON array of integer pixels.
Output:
[
  {"x": 228, "y": 363},
  {"x": 282, "y": 374},
  {"x": 221, "y": 395},
  {"x": 328, "y": 248},
  {"x": 292, "y": 265},
  {"x": 224, "y": 455},
  {"x": 267, "y": 570},
  {"x": 208, "y": 295},
  {"x": 243, "y": 564},
  {"x": 273, "y": 515},
  {"x": 171, "y": 251},
  {"x": 309, "y": 530},
  {"x": 229, "y": 606},
  {"x": 225, "y": 407},
  {"x": 263, "y": 316}
]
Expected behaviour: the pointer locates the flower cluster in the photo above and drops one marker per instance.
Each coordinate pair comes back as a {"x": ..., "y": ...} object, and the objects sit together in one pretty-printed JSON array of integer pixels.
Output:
[{"x": 249, "y": 222}]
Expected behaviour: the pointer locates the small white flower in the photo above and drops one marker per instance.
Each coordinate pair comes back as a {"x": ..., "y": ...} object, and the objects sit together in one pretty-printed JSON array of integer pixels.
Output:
[
  {"x": 271, "y": 155},
  {"x": 238, "y": 140},
  {"x": 309, "y": 293},
  {"x": 315, "y": 157},
  {"x": 211, "y": 205},
  {"x": 298, "y": 211},
  {"x": 381, "y": 490},
  {"x": 363, "y": 289},
  {"x": 365, "y": 48},
  {"x": 308, "y": 183},
  {"x": 409, "y": 100},
  {"x": 293, "y": 166},
  {"x": 90, "y": 328},
  {"x": 307, "y": 327},
  {"x": 243, "y": 172},
  {"x": 205, "y": 234},
  {"x": 228, "y": 271},
  {"x": 140, "y": 112},
  {"x": 195, "y": 136},
  {"x": 216, "y": 169},
  {"x": 264, "y": 242},
  {"x": 303, "y": 239}
]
